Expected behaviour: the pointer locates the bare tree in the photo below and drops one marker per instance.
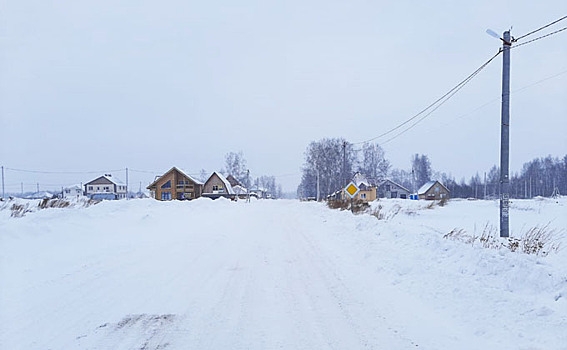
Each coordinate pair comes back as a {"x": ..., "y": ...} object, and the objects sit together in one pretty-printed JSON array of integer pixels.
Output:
[
  {"x": 421, "y": 167},
  {"x": 235, "y": 165},
  {"x": 374, "y": 165}
]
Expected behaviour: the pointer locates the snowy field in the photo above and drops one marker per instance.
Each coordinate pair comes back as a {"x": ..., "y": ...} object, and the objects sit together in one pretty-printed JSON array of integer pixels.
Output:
[{"x": 204, "y": 274}]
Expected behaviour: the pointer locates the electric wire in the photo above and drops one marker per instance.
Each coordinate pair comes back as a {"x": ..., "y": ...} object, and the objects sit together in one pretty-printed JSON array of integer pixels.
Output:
[
  {"x": 433, "y": 106},
  {"x": 538, "y": 38},
  {"x": 63, "y": 172},
  {"x": 496, "y": 100},
  {"x": 537, "y": 30}
]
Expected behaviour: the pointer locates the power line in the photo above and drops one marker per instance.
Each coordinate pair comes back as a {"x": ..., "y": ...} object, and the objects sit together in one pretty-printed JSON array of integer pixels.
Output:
[
  {"x": 63, "y": 172},
  {"x": 537, "y": 30},
  {"x": 435, "y": 105},
  {"x": 497, "y": 100},
  {"x": 145, "y": 171},
  {"x": 538, "y": 38}
]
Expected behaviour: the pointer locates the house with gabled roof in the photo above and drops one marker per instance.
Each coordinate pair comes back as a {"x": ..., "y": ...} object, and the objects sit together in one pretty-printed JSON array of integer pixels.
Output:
[
  {"x": 73, "y": 191},
  {"x": 218, "y": 186},
  {"x": 233, "y": 181},
  {"x": 433, "y": 190},
  {"x": 366, "y": 190},
  {"x": 105, "y": 187},
  {"x": 390, "y": 189},
  {"x": 175, "y": 184}
]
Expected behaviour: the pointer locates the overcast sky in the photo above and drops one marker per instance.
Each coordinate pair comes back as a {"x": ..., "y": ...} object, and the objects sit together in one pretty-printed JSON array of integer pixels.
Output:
[{"x": 104, "y": 85}]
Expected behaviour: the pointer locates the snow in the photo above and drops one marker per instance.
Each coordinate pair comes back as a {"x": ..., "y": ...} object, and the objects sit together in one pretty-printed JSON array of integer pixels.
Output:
[
  {"x": 203, "y": 274},
  {"x": 425, "y": 187}
]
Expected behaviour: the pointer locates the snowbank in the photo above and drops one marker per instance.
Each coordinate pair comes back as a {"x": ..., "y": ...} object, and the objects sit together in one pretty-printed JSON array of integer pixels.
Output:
[{"x": 143, "y": 274}]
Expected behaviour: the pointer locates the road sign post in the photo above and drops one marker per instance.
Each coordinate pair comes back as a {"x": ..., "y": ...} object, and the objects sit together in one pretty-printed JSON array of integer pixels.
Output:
[{"x": 352, "y": 190}]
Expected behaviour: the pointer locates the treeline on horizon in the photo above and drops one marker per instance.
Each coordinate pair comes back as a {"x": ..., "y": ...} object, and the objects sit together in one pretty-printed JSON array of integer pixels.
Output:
[{"x": 334, "y": 161}]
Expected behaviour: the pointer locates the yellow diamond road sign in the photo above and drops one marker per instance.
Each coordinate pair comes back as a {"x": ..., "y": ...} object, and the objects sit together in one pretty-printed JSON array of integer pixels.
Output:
[{"x": 351, "y": 189}]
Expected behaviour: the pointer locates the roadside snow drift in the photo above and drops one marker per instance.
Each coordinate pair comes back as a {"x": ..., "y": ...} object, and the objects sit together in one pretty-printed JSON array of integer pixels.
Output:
[{"x": 205, "y": 274}]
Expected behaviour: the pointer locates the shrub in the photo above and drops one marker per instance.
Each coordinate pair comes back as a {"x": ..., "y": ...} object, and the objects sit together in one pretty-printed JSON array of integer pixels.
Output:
[
  {"x": 19, "y": 210},
  {"x": 53, "y": 203},
  {"x": 337, "y": 204},
  {"x": 359, "y": 206}
]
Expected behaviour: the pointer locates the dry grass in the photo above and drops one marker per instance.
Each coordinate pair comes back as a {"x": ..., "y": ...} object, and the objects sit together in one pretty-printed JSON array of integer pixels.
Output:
[
  {"x": 538, "y": 240},
  {"x": 357, "y": 207},
  {"x": 53, "y": 203}
]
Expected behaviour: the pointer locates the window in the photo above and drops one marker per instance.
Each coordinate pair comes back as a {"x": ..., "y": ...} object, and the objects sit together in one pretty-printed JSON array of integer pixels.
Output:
[
  {"x": 166, "y": 196},
  {"x": 394, "y": 194},
  {"x": 166, "y": 185},
  {"x": 363, "y": 196},
  {"x": 215, "y": 188},
  {"x": 387, "y": 187},
  {"x": 90, "y": 188}
]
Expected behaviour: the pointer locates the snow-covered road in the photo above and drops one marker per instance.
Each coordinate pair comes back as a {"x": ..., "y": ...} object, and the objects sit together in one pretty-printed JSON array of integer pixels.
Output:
[{"x": 264, "y": 275}]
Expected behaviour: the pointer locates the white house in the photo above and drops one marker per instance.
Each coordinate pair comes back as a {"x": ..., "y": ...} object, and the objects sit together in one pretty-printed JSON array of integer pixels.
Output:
[
  {"x": 72, "y": 191},
  {"x": 105, "y": 187}
]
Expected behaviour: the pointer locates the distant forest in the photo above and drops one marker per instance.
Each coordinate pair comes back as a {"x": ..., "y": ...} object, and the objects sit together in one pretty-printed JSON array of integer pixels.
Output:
[{"x": 333, "y": 162}]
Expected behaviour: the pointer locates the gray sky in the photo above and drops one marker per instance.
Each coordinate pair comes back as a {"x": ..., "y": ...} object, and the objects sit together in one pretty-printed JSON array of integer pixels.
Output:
[{"x": 102, "y": 85}]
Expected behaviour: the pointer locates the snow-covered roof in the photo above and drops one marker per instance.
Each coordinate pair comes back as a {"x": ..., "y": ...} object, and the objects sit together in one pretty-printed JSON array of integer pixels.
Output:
[
  {"x": 239, "y": 189},
  {"x": 393, "y": 183},
  {"x": 360, "y": 179},
  {"x": 186, "y": 174},
  {"x": 426, "y": 187},
  {"x": 256, "y": 189},
  {"x": 114, "y": 180},
  {"x": 182, "y": 172},
  {"x": 40, "y": 195},
  {"x": 110, "y": 178},
  {"x": 227, "y": 185}
]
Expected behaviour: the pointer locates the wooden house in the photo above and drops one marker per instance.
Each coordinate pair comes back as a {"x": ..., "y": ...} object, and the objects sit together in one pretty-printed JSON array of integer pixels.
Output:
[
  {"x": 175, "y": 184},
  {"x": 218, "y": 186},
  {"x": 390, "y": 189},
  {"x": 433, "y": 190}
]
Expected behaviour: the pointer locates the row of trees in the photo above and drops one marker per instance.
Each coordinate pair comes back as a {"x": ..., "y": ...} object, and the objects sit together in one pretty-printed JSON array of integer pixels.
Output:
[
  {"x": 539, "y": 177},
  {"x": 333, "y": 162}
]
